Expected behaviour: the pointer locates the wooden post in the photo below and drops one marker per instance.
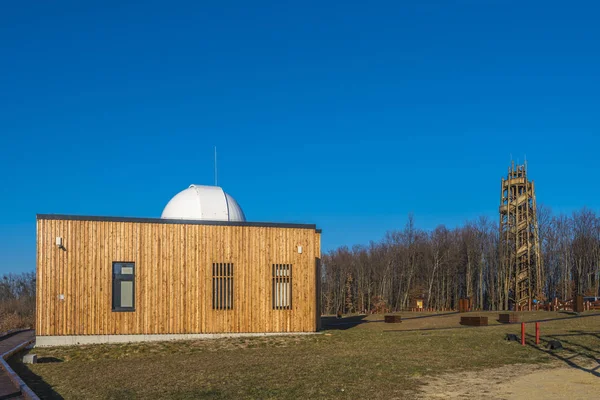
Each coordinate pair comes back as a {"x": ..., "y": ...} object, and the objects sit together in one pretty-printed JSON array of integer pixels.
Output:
[
  {"x": 522, "y": 333},
  {"x": 578, "y": 303},
  {"x": 537, "y": 333}
]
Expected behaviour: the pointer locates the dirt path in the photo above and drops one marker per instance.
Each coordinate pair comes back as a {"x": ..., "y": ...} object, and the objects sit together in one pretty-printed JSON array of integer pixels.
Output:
[{"x": 553, "y": 381}]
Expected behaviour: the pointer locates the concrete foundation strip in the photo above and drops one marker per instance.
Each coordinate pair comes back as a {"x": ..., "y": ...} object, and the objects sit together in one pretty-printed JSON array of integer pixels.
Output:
[
  {"x": 12, "y": 375},
  {"x": 71, "y": 340}
]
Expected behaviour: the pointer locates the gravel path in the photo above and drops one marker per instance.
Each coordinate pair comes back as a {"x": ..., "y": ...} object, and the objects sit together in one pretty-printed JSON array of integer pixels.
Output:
[{"x": 548, "y": 382}]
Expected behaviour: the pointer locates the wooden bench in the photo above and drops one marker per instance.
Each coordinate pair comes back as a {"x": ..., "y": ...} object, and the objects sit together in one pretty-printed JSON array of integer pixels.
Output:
[
  {"x": 474, "y": 321},
  {"x": 509, "y": 318},
  {"x": 392, "y": 319}
]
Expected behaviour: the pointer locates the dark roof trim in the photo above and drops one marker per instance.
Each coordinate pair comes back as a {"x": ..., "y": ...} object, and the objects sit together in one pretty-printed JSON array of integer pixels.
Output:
[{"x": 175, "y": 221}]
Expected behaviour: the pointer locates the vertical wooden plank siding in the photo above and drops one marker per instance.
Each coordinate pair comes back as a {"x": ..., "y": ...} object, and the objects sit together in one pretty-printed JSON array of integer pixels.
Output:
[
  {"x": 173, "y": 277},
  {"x": 318, "y": 280}
]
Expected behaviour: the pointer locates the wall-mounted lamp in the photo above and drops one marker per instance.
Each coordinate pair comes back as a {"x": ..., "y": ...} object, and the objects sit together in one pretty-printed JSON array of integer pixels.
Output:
[{"x": 59, "y": 243}]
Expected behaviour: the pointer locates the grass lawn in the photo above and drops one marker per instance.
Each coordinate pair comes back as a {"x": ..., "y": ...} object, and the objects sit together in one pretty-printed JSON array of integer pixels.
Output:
[{"x": 355, "y": 357}]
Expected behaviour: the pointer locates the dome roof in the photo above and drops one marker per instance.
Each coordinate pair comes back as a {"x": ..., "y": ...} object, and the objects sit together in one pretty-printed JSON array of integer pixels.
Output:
[{"x": 209, "y": 203}]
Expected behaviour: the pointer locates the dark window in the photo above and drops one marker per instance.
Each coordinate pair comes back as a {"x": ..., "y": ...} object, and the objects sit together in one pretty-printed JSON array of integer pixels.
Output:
[
  {"x": 123, "y": 298},
  {"x": 282, "y": 286},
  {"x": 222, "y": 286}
]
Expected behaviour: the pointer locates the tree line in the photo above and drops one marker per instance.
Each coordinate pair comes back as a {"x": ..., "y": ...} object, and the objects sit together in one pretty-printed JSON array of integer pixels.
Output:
[
  {"x": 17, "y": 301},
  {"x": 444, "y": 265}
]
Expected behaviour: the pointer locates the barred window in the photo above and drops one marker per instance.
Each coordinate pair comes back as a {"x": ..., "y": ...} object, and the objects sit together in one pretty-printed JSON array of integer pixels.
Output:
[
  {"x": 222, "y": 286},
  {"x": 282, "y": 286}
]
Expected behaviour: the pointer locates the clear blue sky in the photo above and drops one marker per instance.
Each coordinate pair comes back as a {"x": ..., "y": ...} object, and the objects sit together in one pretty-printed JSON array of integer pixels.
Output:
[{"x": 346, "y": 114}]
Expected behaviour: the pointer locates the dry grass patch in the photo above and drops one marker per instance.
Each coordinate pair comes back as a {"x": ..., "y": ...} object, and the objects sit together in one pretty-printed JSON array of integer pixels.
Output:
[{"x": 356, "y": 358}]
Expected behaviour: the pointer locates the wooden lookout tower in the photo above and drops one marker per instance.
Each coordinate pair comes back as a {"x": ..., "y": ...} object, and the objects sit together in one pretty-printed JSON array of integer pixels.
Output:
[{"x": 520, "y": 255}]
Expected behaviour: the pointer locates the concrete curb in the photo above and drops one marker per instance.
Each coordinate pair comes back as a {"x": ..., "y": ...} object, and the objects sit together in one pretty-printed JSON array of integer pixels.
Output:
[{"x": 12, "y": 375}]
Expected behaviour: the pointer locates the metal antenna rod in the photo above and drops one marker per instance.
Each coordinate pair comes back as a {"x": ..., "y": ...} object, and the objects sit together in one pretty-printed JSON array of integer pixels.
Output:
[{"x": 216, "y": 166}]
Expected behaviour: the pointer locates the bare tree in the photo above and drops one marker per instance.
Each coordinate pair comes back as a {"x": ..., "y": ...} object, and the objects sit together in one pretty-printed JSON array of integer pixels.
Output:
[{"x": 445, "y": 265}]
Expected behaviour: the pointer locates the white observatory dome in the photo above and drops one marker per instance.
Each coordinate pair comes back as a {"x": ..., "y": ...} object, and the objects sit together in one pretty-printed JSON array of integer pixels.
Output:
[{"x": 208, "y": 203}]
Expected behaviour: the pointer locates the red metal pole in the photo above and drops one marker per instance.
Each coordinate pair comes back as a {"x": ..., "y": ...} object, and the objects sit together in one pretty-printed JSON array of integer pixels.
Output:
[
  {"x": 523, "y": 333},
  {"x": 537, "y": 333}
]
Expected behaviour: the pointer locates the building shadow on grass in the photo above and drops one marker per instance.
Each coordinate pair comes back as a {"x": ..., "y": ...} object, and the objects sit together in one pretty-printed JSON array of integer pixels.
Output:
[
  {"x": 34, "y": 381},
  {"x": 432, "y": 315},
  {"x": 572, "y": 353},
  {"x": 334, "y": 323}
]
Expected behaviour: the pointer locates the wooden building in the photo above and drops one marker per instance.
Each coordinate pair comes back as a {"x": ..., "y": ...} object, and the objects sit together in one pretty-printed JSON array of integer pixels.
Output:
[{"x": 104, "y": 279}]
